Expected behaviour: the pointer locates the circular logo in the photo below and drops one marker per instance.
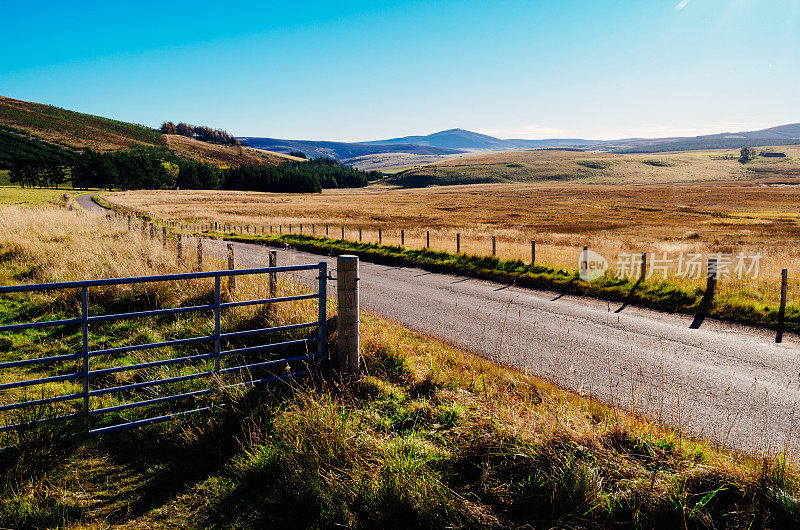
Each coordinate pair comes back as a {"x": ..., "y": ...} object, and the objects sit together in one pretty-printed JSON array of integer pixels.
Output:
[{"x": 591, "y": 265}]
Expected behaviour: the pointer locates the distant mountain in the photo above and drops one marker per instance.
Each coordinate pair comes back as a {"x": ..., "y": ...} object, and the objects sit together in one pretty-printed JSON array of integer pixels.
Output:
[
  {"x": 453, "y": 141},
  {"x": 340, "y": 150},
  {"x": 468, "y": 140}
]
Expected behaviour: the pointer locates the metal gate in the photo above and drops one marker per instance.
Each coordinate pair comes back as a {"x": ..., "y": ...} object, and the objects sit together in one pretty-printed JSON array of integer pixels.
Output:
[{"x": 93, "y": 386}]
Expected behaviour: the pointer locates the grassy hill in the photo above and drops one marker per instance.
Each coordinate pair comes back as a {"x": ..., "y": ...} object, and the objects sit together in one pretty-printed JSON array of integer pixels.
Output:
[
  {"x": 28, "y": 128},
  {"x": 73, "y": 129},
  {"x": 595, "y": 167}
]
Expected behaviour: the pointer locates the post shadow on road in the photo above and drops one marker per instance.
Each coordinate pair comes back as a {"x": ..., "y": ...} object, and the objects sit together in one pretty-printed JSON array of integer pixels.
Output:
[
  {"x": 627, "y": 301},
  {"x": 708, "y": 295}
]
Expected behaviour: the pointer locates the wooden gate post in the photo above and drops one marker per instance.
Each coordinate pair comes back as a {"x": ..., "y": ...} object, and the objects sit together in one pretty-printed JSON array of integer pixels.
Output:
[
  {"x": 348, "y": 331},
  {"x": 231, "y": 266}
]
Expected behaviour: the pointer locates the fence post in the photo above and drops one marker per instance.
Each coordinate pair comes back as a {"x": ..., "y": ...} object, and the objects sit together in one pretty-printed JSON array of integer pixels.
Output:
[
  {"x": 326, "y": 230},
  {"x": 199, "y": 254},
  {"x": 347, "y": 294},
  {"x": 231, "y": 266},
  {"x": 494, "y": 246},
  {"x": 427, "y": 239},
  {"x": 280, "y": 229},
  {"x": 180, "y": 248},
  {"x": 359, "y": 234},
  {"x": 144, "y": 230},
  {"x": 301, "y": 228},
  {"x": 402, "y": 238},
  {"x": 152, "y": 232},
  {"x": 85, "y": 333},
  {"x": 782, "y": 308},
  {"x": 342, "y": 232},
  {"x": 313, "y": 229},
  {"x": 129, "y": 223},
  {"x": 380, "y": 236},
  {"x": 290, "y": 228},
  {"x": 533, "y": 252},
  {"x": 458, "y": 243},
  {"x": 643, "y": 273},
  {"x": 164, "y": 236}
]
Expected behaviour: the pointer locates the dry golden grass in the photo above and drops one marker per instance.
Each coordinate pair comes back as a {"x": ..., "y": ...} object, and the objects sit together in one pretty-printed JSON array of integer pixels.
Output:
[{"x": 758, "y": 215}]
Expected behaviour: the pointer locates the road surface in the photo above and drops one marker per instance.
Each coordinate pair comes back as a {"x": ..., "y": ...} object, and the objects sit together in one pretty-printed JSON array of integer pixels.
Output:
[{"x": 727, "y": 383}]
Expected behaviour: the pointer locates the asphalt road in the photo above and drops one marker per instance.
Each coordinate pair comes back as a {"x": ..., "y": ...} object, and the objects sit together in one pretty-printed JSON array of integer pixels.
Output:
[{"x": 727, "y": 383}]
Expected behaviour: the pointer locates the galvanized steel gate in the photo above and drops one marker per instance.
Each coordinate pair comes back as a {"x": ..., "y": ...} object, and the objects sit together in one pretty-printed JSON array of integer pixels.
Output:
[{"x": 313, "y": 356}]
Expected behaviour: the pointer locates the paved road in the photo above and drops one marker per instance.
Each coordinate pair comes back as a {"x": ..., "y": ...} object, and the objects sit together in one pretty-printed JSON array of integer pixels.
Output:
[
  {"x": 723, "y": 382},
  {"x": 85, "y": 201}
]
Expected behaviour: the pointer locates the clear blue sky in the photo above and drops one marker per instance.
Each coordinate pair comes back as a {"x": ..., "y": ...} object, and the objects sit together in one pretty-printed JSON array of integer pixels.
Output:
[{"x": 375, "y": 69}]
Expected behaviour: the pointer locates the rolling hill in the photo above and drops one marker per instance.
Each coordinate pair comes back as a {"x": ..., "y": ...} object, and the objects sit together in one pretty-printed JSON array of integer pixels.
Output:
[
  {"x": 339, "y": 150},
  {"x": 35, "y": 129},
  {"x": 468, "y": 140}
]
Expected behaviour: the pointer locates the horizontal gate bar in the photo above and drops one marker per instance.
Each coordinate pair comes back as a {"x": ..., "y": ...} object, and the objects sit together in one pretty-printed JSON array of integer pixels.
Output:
[
  {"x": 40, "y": 360},
  {"x": 287, "y": 327},
  {"x": 145, "y": 384},
  {"x": 151, "y": 345},
  {"x": 44, "y": 324},
  {"x": 152, "y": 313},
  {"x": 272, "y": 346},
  {"x": 43, "y": 380},
  {"x": 148, "y": 402},
  {"x": 16, "y": 426},
  {"x": 268, "y": 363},
  {"x": 269, "y": 300},
  {"x": 39, "y": 402},
  {"x": 151, "y": 364},
  {"x": 148, "y": 421}
]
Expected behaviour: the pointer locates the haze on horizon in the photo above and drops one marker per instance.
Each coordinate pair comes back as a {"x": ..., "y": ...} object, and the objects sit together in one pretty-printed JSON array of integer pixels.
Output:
[{"x": 374, "y": 70}]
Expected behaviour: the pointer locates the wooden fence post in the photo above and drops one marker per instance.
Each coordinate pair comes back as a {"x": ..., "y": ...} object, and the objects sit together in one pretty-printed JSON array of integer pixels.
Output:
[
  {"x": 458, "y": 243},
  {"x": 313, "y": 229},
  {"x": 782, "y": 308},
  {"x": 359, "y": 234},
  {"x": 348, "y": 330},
  {"x": 643, "y": 273},
  {"x": 402, "y": 238},
  {"x": 129, "y": 223},
  {"x": 326, "y": 230},
  {"x": 380, "y": 236},
  {"x": 152, "y": 232},
  {"x": 290, "y": 228},
  {"x": 301, "y": 228},
  {"x": 494, "y": 246},
  {"x": 199, "y": 254},
  {"x": 427, "y": 239},
  {"x": 164, "y": 236},
  {"x": 533, "y": 252},
  {"x": 342, "y": 232},
  {"x": 180, "y": 248},
  {"x": 231, "y": 266}
]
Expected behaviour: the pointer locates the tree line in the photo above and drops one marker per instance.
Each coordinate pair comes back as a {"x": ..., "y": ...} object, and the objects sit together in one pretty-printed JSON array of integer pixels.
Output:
[
  {"x": 200, "y": 132},
  {"x": 151, "y": 168}
]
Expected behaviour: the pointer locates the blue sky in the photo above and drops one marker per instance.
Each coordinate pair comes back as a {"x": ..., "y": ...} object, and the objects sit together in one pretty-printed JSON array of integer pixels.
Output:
[{"x": 367, "y": 70}]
